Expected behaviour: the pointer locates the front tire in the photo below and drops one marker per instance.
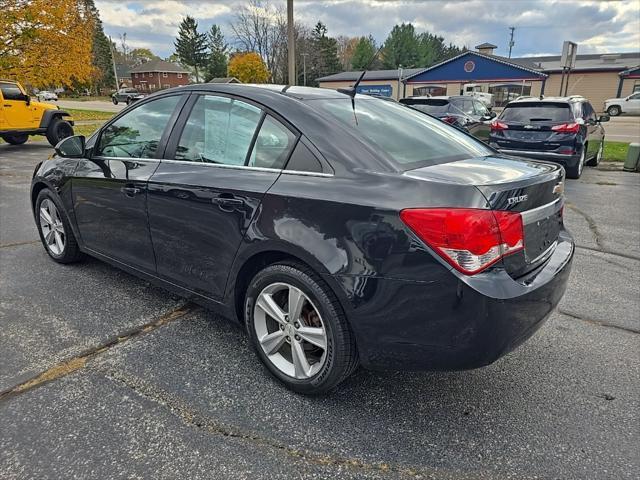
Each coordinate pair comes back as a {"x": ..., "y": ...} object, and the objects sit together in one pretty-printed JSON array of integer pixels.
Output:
[
  {"x": 298, "y": 329},
  {"x": 54, "y": 229},
  {"x": 576, "y": 171},
  {"x": 15, "y": 139},
  {"x": 595, "y": 161},
  {"x": 614, "y": 110},
  {"x": 58, "y": 130},
  {"x": 114, "y": 100}
]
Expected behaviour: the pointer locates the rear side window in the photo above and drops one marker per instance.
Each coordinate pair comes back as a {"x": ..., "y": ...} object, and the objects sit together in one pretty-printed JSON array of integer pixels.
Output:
[
  {"x": 522, "y": 112},
  {"x": 137, "y": 133},
  {"x": 405, "y": 136},
  {"x": 219, "y": 130},
  {"x": 10, "y": 91},
  {"x": 273, "y": 144},
  {"x": 303, "y": 160}
]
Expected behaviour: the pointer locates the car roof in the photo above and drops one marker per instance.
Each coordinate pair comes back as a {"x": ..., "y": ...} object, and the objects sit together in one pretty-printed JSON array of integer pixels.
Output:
[
  {"x": 300, "y": 93},
  {"x": 543, "y": 99}
]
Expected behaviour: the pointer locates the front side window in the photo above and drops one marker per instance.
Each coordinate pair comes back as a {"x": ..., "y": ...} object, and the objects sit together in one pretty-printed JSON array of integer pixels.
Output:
[
  {"x": 219, "y": 130},
  {"x": 480, "y": 108},
  {"x": 137, "y": 133},
  {"x": 10, "y": 91},
  {"x": 409, "y": 138},
  {"x": 635, "y": 96}
]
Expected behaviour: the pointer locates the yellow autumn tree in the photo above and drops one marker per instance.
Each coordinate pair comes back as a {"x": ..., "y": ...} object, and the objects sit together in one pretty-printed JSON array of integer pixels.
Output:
[
  {"x": 46, "y": 43},
  {"x": 248, "y": 68}
]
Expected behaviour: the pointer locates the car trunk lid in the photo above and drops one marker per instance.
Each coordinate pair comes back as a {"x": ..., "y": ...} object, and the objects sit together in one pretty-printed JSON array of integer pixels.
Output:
[{"x": 533, "y": 189}]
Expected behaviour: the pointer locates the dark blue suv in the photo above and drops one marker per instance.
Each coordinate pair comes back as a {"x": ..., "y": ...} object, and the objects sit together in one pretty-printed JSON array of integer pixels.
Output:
[{"x": 565, "y": 130}]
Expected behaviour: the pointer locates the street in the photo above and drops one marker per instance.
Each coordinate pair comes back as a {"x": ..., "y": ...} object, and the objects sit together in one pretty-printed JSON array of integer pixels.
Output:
[{"x": 106, "y": 376}]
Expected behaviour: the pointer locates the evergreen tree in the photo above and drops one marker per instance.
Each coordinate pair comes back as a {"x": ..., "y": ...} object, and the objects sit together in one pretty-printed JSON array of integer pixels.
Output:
[
  {"x": 325, "y": 59},
  {"x": 191, "y": 46},
  {"x": 217, "y": 59},
  {"x": 363, "y": 54},
  {"x": 402, "y": 48},
  {"x": 101, "y": 59}
]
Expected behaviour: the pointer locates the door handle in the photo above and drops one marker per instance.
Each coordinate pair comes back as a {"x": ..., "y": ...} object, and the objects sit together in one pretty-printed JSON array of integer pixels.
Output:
[
  {"x": 8, "y": 105},
  {"x": 227, "y": 202},
  {"x": 131, "y": 191}
]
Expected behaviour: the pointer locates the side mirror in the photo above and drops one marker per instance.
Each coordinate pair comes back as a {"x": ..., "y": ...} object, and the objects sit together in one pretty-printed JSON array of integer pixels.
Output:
[
  {"x": 71, "y": 147},
  {"x": 603, "y": 118},
  {"x": 27, "y": 99}
]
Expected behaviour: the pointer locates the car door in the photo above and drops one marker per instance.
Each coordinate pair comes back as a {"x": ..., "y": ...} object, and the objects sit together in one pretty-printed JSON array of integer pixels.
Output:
[
  {"x": 632, "y": 105},
  {"x": 482, "y": 117},
  {"x": 594, "y": 130},
  {"x": 222, "y": 157},
  {"x": 109, "y": 190},
  {"x": 17, "y": 113}
]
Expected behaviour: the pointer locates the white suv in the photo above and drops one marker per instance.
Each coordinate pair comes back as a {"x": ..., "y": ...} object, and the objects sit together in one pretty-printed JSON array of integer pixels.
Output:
[{"x": 630, "y": 104}]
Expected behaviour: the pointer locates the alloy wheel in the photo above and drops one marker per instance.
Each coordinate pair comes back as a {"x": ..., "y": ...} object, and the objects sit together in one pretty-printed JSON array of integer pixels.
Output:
[
  {"x": 52, "y": 227},
  {"x": 290, "y": 330}
]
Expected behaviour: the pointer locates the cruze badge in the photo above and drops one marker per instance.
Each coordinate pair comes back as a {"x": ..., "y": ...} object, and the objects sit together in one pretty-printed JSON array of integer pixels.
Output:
[{"x": 514, "y": 200}]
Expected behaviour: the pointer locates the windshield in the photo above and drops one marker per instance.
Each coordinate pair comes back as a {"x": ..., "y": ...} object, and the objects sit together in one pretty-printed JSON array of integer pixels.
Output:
[
  {"x": 434, "y": 107},
  {"x": 537, "y": 112},
  {"x": 409, "y": 138}
]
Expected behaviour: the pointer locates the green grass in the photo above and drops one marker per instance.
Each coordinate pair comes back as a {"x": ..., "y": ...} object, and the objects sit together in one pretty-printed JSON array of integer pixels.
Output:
[
  {"x": 87, "y": 99},
  {"x": 89, "y": 114},
  {"x": 615, "y": 151}
]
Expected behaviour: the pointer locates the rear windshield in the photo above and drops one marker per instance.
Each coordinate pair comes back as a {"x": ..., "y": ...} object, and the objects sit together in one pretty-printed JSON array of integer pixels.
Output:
[
  {"x": 434, "y": 107},
  {"x": 409, "y": 138},
  {"x": 537, "y": 112}
]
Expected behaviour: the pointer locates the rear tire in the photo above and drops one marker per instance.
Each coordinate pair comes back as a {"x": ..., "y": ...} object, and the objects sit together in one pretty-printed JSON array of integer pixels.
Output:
[
  {"x": 575, "y": 171},
  {"x": 58, "y": 130},
  {"x": 614, "y": 110},
  {"x": 55, "y": 231},
  {"x": 15, "y": 139},
  {"x": 319, "y": 312}
]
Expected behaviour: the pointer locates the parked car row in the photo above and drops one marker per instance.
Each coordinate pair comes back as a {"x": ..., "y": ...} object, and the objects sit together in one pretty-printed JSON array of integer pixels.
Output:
[{"x": 564, "y": 130}]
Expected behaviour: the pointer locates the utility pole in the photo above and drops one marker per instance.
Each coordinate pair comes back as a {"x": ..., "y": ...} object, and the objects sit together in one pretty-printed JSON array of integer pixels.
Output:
[
  {"x": 304, "y": 68},
  {"x": 291, "y": 49},
  {"x": 113, "y": 61},
  {"x": 511, "y": 42}
]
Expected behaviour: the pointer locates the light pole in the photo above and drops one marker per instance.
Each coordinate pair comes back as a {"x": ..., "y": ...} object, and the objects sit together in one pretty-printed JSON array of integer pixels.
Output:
[
  {"x": 304, "y": 68},
  {"x": 291, "y": 53}
]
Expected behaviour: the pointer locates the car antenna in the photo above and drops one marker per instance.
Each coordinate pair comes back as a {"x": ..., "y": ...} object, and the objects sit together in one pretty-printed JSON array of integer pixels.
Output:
[{"x": 352, "y": 90}]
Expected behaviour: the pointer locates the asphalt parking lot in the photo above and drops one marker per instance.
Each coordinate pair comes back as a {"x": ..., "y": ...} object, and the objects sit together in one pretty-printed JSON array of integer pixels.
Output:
[{"x": 105, "y": 376}]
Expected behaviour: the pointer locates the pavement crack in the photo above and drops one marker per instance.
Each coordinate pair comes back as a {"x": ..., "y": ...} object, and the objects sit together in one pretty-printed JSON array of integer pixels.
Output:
[
  {"x": 597, "y": 322},
  {"x": 196, "y": 419},
  {"x": 77, "y": 362},
  {"x": 597, "y": 236},
  {"x": 609, "y": 252},
  {"x": 18, "y": 244}
]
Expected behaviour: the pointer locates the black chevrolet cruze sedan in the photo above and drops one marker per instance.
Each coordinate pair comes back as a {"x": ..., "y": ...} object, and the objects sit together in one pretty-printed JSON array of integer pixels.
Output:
[{"x": 341, "y": 231}]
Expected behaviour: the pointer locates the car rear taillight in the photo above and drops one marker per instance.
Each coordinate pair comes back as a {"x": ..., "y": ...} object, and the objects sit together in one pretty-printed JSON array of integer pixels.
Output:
[
  {"x": 566, "y": 128},
  {"x": 469, "y": 239},
  {"x": 449, "y": 120},
  {"x": 496, "y": 125}
]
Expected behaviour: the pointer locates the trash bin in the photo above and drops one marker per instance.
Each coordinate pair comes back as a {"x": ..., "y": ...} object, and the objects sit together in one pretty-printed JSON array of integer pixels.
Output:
[{"x": 632, "y": 163}]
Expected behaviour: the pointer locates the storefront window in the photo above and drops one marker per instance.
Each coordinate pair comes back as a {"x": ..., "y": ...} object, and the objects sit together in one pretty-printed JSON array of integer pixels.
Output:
[
  {"x": 433, "y": 90},
  {"x": 503, "y": 93}
]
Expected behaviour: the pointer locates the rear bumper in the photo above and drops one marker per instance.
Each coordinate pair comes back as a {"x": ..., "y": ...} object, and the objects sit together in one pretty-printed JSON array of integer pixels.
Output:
[
  {"x": 561, "y": 158},
  {"x": 459, "y": 322}
]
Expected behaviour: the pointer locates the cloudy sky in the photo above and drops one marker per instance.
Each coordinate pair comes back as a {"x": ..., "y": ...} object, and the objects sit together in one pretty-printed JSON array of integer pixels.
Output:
[{"x": 541, "y": 25}]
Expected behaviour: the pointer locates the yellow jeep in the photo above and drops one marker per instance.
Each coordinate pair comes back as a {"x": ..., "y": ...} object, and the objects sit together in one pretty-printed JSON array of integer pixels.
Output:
[{"x": 21, "y": 117}]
